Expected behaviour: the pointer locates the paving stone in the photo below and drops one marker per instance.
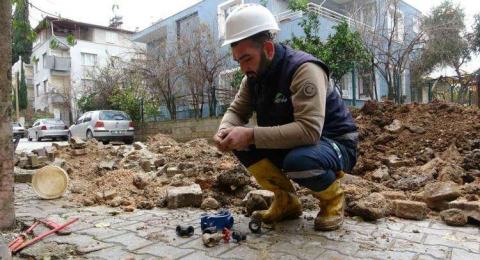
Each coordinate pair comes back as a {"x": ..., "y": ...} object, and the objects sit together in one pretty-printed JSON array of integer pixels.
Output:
[
  {"x": 469, "y": 230},
  {"x": 467, "y": 237},
  {"x": 344, "y": 248},
  {"x": 165, "y": 251},
  {"x": 462, "y": 254},
  {"x": 130, "y": 241},
  {"x": 101, "y": 233},
  {"x": 441, "y": 252},
  {"x": 197, "y": 244},
  {"x": 143, "y": 217},
  {"x": 117, "y": 252},
  {"x": 332, "y": 254},
  {"x": 383, "y": 254},
  {"x": 452, "y": 241},
  {"x": 198, "y": 255},
  {"x": 245, "y": 252},
  {"x": 277, "y": 255},
  {"x": 424, "y": 230},
  {"x": 298, "y": 247},
  {"x": 413, "y": 237},
  {"x": 85, "y": 244}
]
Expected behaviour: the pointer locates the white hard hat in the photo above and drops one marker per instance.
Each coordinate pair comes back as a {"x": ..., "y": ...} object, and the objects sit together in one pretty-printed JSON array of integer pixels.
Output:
[{"x": 247, "y": 20}]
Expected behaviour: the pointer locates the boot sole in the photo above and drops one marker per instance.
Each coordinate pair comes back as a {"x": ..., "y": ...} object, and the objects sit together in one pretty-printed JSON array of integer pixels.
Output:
[{"x": 328, "y": 228}]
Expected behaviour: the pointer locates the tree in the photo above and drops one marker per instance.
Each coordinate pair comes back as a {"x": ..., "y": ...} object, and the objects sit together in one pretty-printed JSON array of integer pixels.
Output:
[
  {"x": 340, "y": 49},
  {"x": 7, "y": 209},
  {"x": 21, "y": 33},
  {"x": 449, "y": 45}
]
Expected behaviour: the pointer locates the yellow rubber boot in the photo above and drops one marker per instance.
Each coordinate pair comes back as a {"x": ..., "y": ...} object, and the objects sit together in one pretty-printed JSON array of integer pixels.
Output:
[
  {"x": 286, "y": 205},
  {"x": 332, "y": 203}
]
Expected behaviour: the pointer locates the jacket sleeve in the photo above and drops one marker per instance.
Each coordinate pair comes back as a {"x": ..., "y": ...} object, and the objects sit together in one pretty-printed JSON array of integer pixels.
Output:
[
  {"x": 309, "y": 90},
  {"x": 240, "y": 111}
]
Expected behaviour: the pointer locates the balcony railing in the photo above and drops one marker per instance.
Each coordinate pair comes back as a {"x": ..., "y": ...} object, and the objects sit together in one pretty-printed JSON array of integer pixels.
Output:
[
  {"x": 61, "y": 64},
  {"x": 288, "y": 15}
]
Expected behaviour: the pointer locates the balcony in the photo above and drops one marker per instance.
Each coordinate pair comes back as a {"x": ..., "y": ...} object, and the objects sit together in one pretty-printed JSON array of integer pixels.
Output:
[{"x": 58, "y": 65}]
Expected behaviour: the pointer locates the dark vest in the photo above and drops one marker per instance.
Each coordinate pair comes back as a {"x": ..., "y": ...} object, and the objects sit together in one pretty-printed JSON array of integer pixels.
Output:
[{"x": 271, "y": 97}]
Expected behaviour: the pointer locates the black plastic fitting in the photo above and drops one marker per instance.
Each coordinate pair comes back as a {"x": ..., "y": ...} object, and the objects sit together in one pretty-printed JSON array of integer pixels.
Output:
[
  {"x": 185, "y": 231},
  {"x": 255, "y": 226},
  {"x": 210, "y": 230},
  {"x": 239, "y": 235}
]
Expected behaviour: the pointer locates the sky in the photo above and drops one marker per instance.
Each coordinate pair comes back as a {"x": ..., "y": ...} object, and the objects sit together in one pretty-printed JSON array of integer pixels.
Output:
[{"x": 140, "y": 14}]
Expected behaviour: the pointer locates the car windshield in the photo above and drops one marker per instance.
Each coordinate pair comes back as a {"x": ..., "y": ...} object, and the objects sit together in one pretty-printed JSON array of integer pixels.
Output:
[
  {"x": 52, "y": 122},
  {"x": 16, "y": 125},
  {"x": 113, "y": 115}
]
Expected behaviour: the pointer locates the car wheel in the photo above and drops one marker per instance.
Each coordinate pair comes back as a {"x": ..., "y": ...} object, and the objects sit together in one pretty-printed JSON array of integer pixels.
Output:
[
  {"x": 89, "y": 135},
  {"x": 29, "y": 138},
  {"x": 39, "y": 139}
]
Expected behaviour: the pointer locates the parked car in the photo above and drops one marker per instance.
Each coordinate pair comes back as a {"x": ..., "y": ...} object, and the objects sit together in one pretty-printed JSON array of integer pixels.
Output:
[
  {"x": 18, "y": 130},
  {"x": 48, "y": 128},
  {"x": 104, "y": 125}
]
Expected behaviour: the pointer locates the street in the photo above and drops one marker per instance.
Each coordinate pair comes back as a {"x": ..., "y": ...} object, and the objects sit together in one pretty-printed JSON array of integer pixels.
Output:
[{"x": 25, "y": 145}]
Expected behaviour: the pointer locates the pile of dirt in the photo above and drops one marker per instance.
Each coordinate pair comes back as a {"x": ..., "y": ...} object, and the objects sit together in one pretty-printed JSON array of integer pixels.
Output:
[{"x": 414, "y": 161}]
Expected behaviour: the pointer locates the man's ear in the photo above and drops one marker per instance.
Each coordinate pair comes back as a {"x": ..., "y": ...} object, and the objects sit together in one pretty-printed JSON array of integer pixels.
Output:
[{"x": 269, "y": 49}]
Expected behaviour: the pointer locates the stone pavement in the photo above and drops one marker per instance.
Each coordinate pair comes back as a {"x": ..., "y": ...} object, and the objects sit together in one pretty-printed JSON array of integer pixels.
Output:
[{"x": 101, "y": 233}]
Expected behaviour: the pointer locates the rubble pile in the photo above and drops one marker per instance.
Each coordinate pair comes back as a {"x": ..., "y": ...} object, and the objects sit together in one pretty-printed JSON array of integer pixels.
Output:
[{"x": 415, "y": 161}]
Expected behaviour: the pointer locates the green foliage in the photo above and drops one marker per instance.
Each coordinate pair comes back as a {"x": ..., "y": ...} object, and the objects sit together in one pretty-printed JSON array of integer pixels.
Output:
[
  {"x": 22, "y": 91},
  {"x": 264, "y": 2},
  {"x": 54, "y": 43},
  {"x": 21, "y": 32},
  {"x": 127, "y": 100},
  {"x": 475, "y": 36},
  {"x": 340, "y": 49},
  {"x": 71, "y": 40},
  {"x": 86, "y": 103},
  {"x": 40, "y": 114},
  {"x": 236, "y": 79}
]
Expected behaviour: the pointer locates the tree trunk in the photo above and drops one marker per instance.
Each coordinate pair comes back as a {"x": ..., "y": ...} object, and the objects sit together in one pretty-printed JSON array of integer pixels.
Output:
[{"x": 7, "y": 210}]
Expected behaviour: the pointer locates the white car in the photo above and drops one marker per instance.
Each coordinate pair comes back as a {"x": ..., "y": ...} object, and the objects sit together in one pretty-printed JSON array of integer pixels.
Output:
[
  {"x": 104, "y": 125},
  {"x": 18, "y": 130},
  {"x": 47, "y": 128}
]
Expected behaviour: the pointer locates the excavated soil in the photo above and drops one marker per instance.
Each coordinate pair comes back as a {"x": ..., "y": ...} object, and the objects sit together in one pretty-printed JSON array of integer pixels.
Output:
[{"x": 402, "y": 148}]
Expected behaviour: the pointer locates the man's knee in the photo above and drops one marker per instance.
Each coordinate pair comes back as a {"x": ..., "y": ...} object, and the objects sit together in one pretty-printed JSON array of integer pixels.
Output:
[{"x": 307, "y": 171}]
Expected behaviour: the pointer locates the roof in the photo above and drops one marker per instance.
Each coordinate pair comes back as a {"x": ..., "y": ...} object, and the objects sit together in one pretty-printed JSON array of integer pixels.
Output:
[{"x": 68, "y": 22}]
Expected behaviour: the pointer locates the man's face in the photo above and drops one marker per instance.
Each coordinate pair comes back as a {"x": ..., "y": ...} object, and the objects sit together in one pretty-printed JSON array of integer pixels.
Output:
[{"x": 252, "y": 59}]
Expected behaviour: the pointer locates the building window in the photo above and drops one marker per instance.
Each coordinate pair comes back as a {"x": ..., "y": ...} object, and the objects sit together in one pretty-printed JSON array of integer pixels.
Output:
[
  {"x": 44, "y": 60},
  {"x": 89, "y": 59},
  {"x": 37, "y": 88},
  {"x": 187, "y": 25},
  {"x": 367, "y": 15},
  {"x": 45, "y": 84},
  {"x": 416, "y": 25},
  {"x": 112, "y": 37},
  {"x": 36, "y": 66},
  {"x": 224, "y": 10},
  {"x": 365, "y": 83}
]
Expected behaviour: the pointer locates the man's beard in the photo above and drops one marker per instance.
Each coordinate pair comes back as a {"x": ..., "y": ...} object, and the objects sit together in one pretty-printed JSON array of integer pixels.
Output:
[{"x": 262, "y": 68}]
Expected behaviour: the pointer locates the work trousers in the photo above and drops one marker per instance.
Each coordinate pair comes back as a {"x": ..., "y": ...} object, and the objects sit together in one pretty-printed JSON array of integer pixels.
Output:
[{"x": 312, "y": 166}]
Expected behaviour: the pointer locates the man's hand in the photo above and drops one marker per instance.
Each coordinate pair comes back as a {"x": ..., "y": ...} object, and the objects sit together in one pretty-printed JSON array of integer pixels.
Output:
[
  {"x": 237, "y": 138},
  {"x": 234, "y": 138}
]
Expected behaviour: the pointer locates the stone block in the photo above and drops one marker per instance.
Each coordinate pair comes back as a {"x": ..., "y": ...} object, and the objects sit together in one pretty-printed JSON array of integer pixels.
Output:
[
  {"x": 395, "y": 127},
  {"x": 22, "y": 162},
  {"x": 23, "y": 177},
  {"x": 454, "y": 217},
  {"x": 437, "y": 194},
  {"x": 39, "y": 152},
  {"x": 77, "y": 152},
  {"x": 139, "y": 146},
  {"x": 188, "y": 196},
  {"x": 42, "y": 159},
  {"x": 172, "y": 171},
  {"x": 33, "y": 158},
  {"x": 59, "y": 146},
  {"x": 109, "y": 194},
  {"x": 471, "y": 208},
  {"x": 107, "y": 165},
  {"x": 77, "y": 143},
  {"x": 268, "y": 196},
  {"x": 410, "y": 209},
  {"x": 146, "y": 165}
]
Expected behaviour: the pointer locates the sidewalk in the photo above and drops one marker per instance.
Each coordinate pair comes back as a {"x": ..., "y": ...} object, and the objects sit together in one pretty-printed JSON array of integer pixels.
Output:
[{"x": 150, "y": 234}]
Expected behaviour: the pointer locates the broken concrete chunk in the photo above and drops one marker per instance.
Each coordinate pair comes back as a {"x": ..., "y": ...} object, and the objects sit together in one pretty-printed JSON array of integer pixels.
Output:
[
  {"x": 172, "y": 171},
  {"x": 76, "y": 143},
  {"x": 107, "y": 165},
  {"x": 139, "y": 145},
  {"x": 255, "y": 202},
  {"x": 380, "y": 174},
  {"x": 438, "y": 194},
  {"x": 384, "y": 139},
  {"x": 267, "y": 195},
  {"x": 146, "y": 165},
  {"x": 39, "y": 152},
  {"x": 454, "y": 217},
  {"x": 162, "y": 170},
  {"x": 59, "y": 146},
  {"x": 33, "y": 158},
  {"x": 139, "y": 182},
  {"x": 190, "y": 173},
  {"x": 188, "y": 196},
  {"x": 78, "y": 152},
  {"x": 109, "y": 194},
  {"x": 42, "y": 159},
  {"x": 410, "y": 209},
  {"x": 23, "y": 162},
  {"x": 115, "y": 202},
  {"x": 471, "y": 208},
  {"x": 416, "y": 129},
  {"x": 210, "y": 203},
  {"x": 159, "y": 162},
  {"x": 453, "y": 173},
  {"x": 395, "y": 127},
  {"x": 395, "y": 162},
  {"x": 371, "y": 207}
]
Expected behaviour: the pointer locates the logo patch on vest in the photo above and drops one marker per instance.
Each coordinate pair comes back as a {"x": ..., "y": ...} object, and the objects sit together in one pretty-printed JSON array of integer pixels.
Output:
[
  {"x": 309, "y": 89},
  {"x": 280, "y": 98}
]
